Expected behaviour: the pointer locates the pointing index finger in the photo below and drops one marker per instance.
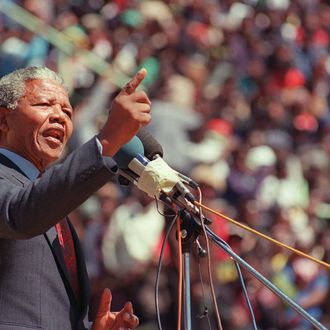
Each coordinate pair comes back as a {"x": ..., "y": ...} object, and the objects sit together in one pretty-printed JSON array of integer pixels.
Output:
[{"x": 132, "y": 85}]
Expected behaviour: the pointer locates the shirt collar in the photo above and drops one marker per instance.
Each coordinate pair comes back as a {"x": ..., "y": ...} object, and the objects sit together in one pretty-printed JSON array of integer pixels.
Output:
[{"x": 26, "y": 166}]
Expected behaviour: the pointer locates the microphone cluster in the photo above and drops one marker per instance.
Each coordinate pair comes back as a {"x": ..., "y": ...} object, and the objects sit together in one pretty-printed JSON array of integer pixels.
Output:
[{"x": 140, "y": 162}]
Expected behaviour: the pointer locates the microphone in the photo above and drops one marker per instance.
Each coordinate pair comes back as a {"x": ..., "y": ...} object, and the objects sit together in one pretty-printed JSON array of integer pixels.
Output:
[
  {"x": 154, "y": 176},
  {"x": 151, "y": 176},
  {"x": 152, "y": 150},
  {"x": 131, "y": 152},
  {"x": 128, "y": 152}
]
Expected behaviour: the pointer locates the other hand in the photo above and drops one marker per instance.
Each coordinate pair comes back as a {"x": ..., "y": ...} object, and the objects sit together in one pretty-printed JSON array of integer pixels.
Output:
[{"x": 106, "y": 320}]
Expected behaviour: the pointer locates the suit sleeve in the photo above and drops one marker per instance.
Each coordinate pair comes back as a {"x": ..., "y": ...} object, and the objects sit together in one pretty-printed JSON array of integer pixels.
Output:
[{"x": 31, "y": 210}]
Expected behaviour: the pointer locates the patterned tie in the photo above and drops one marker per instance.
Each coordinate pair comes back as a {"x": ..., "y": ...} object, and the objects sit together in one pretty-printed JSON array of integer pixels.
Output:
[{"x": 68, "y": 250}]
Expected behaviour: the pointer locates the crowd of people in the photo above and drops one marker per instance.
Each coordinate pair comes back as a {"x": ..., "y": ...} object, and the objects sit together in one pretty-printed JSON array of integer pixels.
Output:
[{"x": 240, "y": 103}]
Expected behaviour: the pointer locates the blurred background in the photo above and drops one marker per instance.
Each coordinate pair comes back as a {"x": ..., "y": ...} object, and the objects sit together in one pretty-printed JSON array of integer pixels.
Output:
[{"x": 240, "y": 103}]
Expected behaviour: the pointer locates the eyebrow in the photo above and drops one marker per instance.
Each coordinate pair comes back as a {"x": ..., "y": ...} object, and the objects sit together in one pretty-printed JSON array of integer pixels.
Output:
[{"x": 51, "y": 99}]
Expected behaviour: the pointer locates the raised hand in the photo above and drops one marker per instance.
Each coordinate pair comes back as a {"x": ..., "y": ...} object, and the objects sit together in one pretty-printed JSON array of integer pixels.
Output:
[
  {"x": 106, "y": 320},
  {"x": 130, "y": 110}
]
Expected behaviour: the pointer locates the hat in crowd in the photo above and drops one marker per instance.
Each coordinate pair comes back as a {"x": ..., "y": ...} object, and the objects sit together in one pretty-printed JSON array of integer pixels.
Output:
[
  {"x": 220, "y": 126},
  {"x": 293, "y": 78},
  {"x": 305, "y": 122}
]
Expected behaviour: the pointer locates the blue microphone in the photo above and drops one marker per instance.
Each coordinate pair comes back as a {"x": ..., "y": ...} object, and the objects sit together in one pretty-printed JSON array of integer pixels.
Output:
[{"x": 128, "y": 152}]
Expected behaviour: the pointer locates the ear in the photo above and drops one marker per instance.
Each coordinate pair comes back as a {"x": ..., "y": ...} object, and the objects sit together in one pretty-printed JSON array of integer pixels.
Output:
[{"x": 3, "y": 119}]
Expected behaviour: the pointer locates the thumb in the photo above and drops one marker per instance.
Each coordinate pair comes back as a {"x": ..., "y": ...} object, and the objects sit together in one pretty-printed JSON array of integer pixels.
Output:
[
  {"x": 105, "y": 303},
  {"x": 132, "y": 85}
]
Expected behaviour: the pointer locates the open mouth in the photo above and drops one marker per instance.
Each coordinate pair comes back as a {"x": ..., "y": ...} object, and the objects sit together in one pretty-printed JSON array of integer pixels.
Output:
[{"x": 54, "y": 134}]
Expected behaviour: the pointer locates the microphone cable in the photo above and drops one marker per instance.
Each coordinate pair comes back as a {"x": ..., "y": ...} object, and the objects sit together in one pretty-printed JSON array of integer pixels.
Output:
[
  {"x": 256, "y": 232},
  {"x": 176, "y": 220},
  {"x": 240, "y": 275},
  {"x": 245, "y": 293},
  {"x": 180, "y": 280},
  {"x": 209, "y": 268},
  {"x": 159, "y": 267}
]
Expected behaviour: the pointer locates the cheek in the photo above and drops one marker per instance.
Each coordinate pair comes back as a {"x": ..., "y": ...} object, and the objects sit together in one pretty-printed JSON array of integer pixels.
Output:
[
  {"x": 69, "y": 130},
  {"x": 25, "y": 134},
  {"x": 31, "y": 128}
]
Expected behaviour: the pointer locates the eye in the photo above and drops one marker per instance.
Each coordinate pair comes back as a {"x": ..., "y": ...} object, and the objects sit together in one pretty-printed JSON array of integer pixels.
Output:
[
  {"x": 68, "y": 113},
  {"x": 42, "y": 104}
]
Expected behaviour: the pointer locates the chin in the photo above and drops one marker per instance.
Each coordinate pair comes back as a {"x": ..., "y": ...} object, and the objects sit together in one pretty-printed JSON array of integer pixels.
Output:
[
  {"x": 55, "y": 157},
  {"x": 48, "y": 158}
]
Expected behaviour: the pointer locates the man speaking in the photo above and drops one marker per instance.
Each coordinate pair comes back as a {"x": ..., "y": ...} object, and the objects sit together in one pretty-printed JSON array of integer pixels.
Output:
[{"x": 43, "y": 279}]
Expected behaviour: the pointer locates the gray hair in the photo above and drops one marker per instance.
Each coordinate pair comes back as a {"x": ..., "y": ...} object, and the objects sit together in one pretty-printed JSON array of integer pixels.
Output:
[{"x": 12, "y": 85}]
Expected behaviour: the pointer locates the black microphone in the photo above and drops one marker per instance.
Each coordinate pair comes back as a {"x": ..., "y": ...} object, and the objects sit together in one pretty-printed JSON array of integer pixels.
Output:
[{"x": 152, "y": 148}]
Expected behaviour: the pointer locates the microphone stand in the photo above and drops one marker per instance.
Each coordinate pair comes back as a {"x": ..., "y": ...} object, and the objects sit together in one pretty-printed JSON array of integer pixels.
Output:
[{"x": 190, "y": 230}]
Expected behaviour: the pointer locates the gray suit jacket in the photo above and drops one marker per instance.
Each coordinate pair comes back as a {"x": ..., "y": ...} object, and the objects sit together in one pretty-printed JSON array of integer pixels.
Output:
[{"x": 34, "y": 289}]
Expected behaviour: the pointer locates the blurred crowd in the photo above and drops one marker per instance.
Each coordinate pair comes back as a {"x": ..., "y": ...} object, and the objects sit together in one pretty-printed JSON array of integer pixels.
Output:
[{"x": 240, "y": 103}]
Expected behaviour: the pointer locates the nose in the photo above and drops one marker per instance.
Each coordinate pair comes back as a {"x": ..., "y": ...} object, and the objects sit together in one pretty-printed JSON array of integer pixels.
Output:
[{"x": 57, "y": 115}]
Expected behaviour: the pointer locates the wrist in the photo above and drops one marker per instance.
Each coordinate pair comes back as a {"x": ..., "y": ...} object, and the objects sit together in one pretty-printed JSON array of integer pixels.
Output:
[{"x": 106, "y": 147}]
